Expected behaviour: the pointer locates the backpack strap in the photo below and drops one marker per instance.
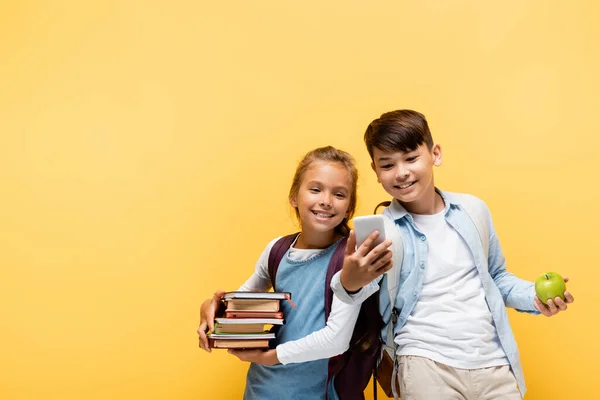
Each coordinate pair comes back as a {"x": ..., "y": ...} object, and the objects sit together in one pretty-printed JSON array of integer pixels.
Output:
[
  {"x": 382, "y": 204},
  {"x": 335, "y": 264},
  {"x": 392, "y": 282},
  {"x": 476, "y": 210},
  {"x": 276, "y": 255}
]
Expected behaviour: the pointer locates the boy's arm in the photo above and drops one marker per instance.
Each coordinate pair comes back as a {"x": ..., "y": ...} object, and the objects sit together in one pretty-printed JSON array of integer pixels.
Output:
[{"x": 517, "y": 293}]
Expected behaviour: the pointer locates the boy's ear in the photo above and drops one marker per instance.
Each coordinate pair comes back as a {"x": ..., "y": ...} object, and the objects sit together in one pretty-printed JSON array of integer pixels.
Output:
[
  {"x": 375, "y": 169},
  {"x": 436, "y": 153}
]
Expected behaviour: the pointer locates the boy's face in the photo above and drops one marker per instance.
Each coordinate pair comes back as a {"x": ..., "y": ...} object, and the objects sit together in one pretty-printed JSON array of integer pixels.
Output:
[{"x": 407, "y": 176}]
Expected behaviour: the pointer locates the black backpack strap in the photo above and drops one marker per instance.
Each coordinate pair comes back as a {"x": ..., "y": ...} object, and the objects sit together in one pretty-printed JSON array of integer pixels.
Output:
[
  {"x": 276, "y": 255},
  {"x": 382, "y": 204},
  {"x": 353, "y": 369},
  {"x": 335, "y": 264}
]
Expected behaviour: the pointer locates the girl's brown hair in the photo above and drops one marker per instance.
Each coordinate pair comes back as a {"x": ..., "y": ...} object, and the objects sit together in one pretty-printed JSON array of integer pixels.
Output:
[{"x": 333, "y": 155}]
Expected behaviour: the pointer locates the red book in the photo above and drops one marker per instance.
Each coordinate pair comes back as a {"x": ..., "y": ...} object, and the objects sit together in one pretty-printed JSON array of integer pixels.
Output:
[{"x": 253, "y": 314}]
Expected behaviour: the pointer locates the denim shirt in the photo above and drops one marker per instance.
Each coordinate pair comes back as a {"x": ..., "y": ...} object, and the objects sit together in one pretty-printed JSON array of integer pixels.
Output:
[{"x": 502, "y": 289}]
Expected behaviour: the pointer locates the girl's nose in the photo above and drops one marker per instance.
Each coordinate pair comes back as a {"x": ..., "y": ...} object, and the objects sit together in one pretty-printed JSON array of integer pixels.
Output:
[{"x": 325, "y": 201}]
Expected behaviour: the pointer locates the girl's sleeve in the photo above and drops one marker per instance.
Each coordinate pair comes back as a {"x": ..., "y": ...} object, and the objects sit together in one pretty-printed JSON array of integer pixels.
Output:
[
  {"x": 260, "y": 281},
  {"x": 330, "y": 341}
]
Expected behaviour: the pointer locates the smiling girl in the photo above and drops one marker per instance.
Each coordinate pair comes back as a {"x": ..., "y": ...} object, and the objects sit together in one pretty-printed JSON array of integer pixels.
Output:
[{"x": 323, "y": 194}]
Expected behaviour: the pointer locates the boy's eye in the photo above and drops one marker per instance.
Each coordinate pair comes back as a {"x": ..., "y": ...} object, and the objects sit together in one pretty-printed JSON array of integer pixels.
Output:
[
  {"x": 411, "y": 159},
  {"x": 386, "y": 166}
]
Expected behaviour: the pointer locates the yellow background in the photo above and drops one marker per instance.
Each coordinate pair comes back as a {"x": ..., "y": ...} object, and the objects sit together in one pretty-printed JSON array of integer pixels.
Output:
[{"x": 146, "y": 148}]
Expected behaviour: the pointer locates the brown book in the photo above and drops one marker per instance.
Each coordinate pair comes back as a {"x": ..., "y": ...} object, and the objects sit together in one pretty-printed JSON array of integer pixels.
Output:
[
  {"x": 252, "y": 305},
  {"x": 254, "y": 314},
  {"x": 239, "y": 328},
  {"x": 238, "y": 343}
]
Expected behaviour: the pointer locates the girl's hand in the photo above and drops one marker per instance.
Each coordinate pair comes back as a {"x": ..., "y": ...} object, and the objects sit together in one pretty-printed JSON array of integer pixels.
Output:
[
  {"x": 556, "y": 306},
  {"x": 207, "y": 318},
  {"x": 258, "y": 356},
  {"x": 364, "y": 264}
]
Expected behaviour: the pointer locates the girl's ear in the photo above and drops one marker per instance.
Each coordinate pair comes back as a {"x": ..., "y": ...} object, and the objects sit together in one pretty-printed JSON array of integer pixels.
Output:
[
  {"x": 436, "y": 153},
  {"x": 294, "y": 202}
]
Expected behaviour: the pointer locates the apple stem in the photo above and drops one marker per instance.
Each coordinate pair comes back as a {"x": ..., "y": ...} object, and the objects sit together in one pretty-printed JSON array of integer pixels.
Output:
[{"x": 546, "y": 276}]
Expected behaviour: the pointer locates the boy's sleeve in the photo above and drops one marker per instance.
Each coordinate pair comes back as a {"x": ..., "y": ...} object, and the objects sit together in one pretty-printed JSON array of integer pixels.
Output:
[
  {"x": 356, "y": 298},
  {"x": 516, "y": 293}
]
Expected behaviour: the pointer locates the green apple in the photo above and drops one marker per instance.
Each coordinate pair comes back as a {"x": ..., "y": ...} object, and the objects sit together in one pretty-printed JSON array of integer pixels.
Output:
[{"x": 549, "y": 286}]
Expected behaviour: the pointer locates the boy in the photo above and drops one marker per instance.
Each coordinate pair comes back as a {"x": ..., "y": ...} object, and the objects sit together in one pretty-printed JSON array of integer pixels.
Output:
[{"x": 451, "y": 328}]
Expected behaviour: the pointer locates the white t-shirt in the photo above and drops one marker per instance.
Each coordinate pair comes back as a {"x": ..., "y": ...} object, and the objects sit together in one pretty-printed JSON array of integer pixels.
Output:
[
  {"x": 330, "y": 341},
  {"x": 451, "y": 322}
]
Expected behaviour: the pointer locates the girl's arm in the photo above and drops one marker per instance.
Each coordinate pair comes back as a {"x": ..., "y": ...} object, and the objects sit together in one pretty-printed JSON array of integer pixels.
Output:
[
  {"x": 330, "y": 341},
  {"x": 259, "y": 281}
]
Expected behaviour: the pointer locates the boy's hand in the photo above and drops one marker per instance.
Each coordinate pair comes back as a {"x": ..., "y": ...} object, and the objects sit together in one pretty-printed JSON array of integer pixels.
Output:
[
  {"x": 556, "y": 306},
  {"x": 207, "y": 318},
  {"x": 362, "y": 265},
  {"x": 264, "y": 357}
]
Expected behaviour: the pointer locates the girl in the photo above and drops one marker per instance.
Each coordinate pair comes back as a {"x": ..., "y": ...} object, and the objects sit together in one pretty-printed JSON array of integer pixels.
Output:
[{"x": 323, "y": 194}]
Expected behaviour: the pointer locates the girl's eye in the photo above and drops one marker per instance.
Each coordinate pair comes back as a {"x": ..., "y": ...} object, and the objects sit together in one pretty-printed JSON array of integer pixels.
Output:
[
  {"x": 314, "y": 190},
  {"x": 340, "y": 195}
]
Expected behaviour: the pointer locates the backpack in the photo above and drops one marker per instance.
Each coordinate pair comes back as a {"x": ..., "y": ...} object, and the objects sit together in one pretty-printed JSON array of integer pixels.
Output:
[
  {"x": 387, "y": 365},
  {"x": 352, "y": 369}
]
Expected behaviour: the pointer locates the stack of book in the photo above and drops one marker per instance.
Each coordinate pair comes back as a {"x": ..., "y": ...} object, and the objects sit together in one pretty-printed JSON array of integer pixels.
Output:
[{"x": 248, "y": 317}]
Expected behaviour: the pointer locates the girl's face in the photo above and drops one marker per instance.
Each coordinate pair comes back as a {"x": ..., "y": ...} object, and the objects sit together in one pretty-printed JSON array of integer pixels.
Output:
[{"x": 323, "y": 197}]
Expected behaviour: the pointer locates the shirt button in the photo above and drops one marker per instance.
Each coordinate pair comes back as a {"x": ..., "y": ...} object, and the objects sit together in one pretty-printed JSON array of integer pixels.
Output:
[
  {"x": 423, "y": 238},
  {"x": 414, "y": 295},
  {"x": 422, "y": 265}
]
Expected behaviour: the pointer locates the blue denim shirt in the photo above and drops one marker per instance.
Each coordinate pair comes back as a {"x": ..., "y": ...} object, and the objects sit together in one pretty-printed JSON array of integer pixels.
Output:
[{"x": 502, "y": 289}]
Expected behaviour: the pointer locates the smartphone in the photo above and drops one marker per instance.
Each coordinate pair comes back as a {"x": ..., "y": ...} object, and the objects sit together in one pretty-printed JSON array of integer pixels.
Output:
[{"x": 365, "y": 225}]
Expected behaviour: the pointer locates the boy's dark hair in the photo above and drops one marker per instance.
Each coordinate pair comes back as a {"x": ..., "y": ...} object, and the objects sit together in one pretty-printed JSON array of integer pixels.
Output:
[{"x": 400, "y": 130}]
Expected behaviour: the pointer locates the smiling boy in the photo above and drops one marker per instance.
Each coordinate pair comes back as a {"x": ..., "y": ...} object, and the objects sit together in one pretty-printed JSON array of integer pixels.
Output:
[{"x": 451, "y": 330}]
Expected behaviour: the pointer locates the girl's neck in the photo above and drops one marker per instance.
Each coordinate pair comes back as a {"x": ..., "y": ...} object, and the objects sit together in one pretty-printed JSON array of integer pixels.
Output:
[{"x": 316, "y": 240}]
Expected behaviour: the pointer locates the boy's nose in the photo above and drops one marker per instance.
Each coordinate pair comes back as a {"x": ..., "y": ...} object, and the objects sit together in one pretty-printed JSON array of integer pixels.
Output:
[{"x": 402, "y": 173}]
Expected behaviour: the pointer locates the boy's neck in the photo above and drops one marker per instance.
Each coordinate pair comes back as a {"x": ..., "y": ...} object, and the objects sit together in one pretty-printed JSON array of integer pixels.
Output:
[
  {"x": 430, "y": 203},
  {"x": 316, "y": 240}
]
